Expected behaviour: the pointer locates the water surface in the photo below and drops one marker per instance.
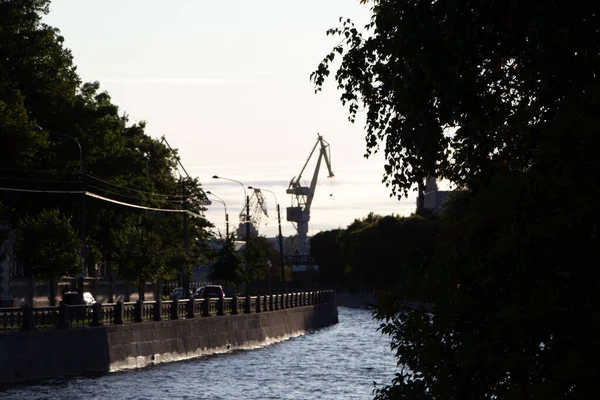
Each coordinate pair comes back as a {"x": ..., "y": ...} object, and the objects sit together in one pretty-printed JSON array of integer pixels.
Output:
[{"x": 339, "y": 362}]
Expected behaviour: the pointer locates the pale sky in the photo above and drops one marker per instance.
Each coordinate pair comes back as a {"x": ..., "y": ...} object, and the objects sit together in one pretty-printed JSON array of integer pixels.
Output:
[{"x": 227, "y": 83}]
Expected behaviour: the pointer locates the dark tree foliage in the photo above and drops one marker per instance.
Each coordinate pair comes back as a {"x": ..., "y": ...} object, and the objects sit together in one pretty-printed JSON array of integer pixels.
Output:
[
  {"x": 47, "y": 244},
  {"x": 463, "y": 89},
  {"x": 259, "y": 256},
  {"x": 33, "y": 61},
  {"x": 39, "y": 87},
  {"x": 514, "y": 288},
  {"x": 228, "y": 263},
  {"x": 326, "y": 252},
  {"x": 373, "y": 249},
  {"x": 501, "y": 98}
]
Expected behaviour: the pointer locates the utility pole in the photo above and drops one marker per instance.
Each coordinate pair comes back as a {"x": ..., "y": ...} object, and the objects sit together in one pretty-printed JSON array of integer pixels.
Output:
[
  {"x": 83, "y": 179},
  {"x": 220, "y": 200},
  {"x": 281, "y": 257},
  {"x": 185, "y": 279},
  {"x": 83, "y": 228},
  {"x": 280, "y": 238},
  {"x": 226, "y": 225},
  {"x": 247, "y": 218}
]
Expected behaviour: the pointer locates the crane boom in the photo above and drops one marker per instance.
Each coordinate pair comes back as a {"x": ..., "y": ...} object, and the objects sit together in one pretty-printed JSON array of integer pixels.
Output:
[
  {"x": 302, "y": 196},
  {"x": 257, "y": 206}
]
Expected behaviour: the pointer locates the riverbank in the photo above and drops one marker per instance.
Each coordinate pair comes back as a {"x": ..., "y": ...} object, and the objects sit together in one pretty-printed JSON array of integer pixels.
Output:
[
  {"x": 360, "y": 300},
  {"x": 39, "y": 354}
]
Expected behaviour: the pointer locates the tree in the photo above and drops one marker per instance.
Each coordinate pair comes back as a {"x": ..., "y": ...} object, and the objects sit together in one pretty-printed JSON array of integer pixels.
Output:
[
  {"x": 153, "y": 249},
  {"x": 259, "y": 256},
  {"x": 48, "y": 247},
  {"x": 385, "y": 249},
  {"x": 34, "y": 62},
  {"x": 290, "y": 244},
  {"x": 228, "y": 263},
  {"x": 460, "y": 90},
  {"x": 500, "y": 98},
  {"x": 39, "y": 86},
  {"x": 140, "y": 255},
  {"x": 326, "y": 252},
  {"x": 503, "y": 287}
]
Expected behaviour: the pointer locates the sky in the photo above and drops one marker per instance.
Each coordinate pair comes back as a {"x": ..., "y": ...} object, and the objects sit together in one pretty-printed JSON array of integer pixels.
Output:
[{"x": 227, "y": 84}]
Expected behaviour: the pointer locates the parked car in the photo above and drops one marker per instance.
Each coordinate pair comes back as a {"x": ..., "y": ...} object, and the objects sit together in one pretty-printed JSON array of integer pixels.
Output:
[
  {"x": 77, "y": 299},
  {"x": 209, "y": 291},
  {"x": 82, "y": 302},
  {"x": 178, "y": 293}
]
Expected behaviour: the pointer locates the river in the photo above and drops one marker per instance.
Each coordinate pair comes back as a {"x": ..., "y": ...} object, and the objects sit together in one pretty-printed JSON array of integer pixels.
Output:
[{"x": 338, "y": 362}]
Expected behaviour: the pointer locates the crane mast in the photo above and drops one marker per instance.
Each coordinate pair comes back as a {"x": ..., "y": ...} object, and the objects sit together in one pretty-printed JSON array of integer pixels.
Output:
[
  {"x": 257, "y": 206},
  {"x": 302, "y": 196}
]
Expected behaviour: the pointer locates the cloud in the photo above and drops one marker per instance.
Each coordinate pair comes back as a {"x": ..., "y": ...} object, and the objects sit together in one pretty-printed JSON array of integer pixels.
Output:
[{"x": 170, "y": 81}]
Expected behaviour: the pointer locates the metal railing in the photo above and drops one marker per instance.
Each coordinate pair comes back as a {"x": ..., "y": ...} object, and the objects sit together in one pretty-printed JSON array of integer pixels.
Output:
[{"x": 64, "y": 316}]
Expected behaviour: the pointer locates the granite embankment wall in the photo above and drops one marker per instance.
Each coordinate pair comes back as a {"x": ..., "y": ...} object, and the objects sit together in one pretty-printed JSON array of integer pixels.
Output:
[
  {"x": 361, "y": 300},
  {"x": 30, "y": 355}
]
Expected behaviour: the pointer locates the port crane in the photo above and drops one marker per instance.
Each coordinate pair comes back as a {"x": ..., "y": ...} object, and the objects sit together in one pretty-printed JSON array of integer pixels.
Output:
[
  {"x": 258, "y": 207},
  {"x": 302, "y": 196}
]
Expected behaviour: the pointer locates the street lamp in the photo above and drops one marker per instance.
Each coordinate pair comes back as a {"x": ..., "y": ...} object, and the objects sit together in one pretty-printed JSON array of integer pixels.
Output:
[
  {"x": 220, "y": 200},
  {"x": 283, "y": 281},
  {"x": 247, "y": 217},
  {"x": 82, "y": 174}
]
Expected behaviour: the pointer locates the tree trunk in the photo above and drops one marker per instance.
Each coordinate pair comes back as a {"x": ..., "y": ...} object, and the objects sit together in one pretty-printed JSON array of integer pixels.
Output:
[
  {"x": 31, "y": 291},
  {"x": 111, "y": 290},
  {"x": 421, "y": 199},
  {"x": 142, "y": 290},
  {"x": 158, "y": 289},
  {"x": 52, "y": 291}
]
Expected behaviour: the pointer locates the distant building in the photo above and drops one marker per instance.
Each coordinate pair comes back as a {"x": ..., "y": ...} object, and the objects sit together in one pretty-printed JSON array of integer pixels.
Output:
[
  {"x": 241, "y": 231},
  {"x": 434, "y": 198}
]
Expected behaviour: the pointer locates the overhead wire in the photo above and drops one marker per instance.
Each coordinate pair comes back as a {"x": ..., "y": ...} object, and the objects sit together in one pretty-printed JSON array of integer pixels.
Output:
[
  {"x": 36, "y": 180},
  {"x": 96, "y": 196},
  {"x": 131, "y": 197},
  {"x": 142, "y": 207},
  {"x": 131, "y": 189},
  {"x": 167, "y": 198},
  {"x": 41, "y": 191}
]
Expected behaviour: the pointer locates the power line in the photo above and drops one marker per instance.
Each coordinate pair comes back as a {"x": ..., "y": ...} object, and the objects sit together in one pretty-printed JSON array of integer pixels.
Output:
[
  {"x": 36, "y": 180},
  {"x": 131, "y": 197},
  {"x": 94, "y": 195},
  {"x": 142, "y": 207},
  {"x": 42, "y": 191},
  {"x": 169, "y": 197},
  {"x": 133, "y": 190}
]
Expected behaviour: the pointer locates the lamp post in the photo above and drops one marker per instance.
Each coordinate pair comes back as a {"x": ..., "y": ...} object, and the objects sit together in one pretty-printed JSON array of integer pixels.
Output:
[
  {"x": 82, "y": 177},
  {"x": 220, "y": 200},
  {"x": 247, "y": 217},
  {"x": 281, "y": 258},
  {"x": 185, "y": 279}
]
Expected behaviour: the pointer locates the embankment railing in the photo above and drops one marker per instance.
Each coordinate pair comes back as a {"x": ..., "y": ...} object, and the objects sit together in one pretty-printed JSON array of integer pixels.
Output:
[{"x": 64, "y": 316}]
